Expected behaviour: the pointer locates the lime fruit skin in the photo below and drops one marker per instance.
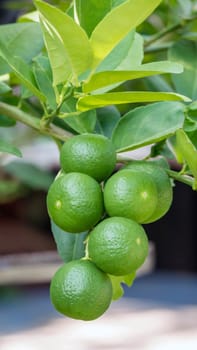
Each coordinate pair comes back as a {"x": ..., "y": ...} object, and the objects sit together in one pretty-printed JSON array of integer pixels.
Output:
[
  {"x": 130, "y": 194},
  {"x": 80, "y": 290},
  {"x": 118, "y": 246},
  {"x": 75, "y": 202},
  {"x": 91, "y": 154},
  {"x": 162, "y": 182}
]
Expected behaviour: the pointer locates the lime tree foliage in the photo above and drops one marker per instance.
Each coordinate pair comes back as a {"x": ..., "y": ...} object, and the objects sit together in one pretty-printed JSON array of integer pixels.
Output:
[{"x": 101, "y": 79}]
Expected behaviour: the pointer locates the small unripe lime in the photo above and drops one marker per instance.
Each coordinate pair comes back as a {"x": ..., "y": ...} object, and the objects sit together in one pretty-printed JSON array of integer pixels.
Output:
[
  {"x": 118, "y": 245},
  {"x": 75, "y": 202},
  {"x": 90, "y": 154},
  {"x": 80, "y": 290},
  {"x": 131, "y": 194}
]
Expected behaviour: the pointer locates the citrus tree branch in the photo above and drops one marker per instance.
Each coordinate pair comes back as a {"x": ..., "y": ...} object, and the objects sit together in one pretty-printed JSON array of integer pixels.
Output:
[
  {"x": 186, "y": 179},
  {"x": 35, "y": 123},
  {"x": 168, "y": 30}
]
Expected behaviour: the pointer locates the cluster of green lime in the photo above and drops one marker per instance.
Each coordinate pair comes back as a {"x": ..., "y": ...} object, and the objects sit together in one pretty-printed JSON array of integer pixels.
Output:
[{"x": 86, "y": 196}]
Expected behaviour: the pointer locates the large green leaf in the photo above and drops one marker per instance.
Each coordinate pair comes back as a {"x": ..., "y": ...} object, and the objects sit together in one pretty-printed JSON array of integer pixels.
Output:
[
  {"x": 22, "y": 39},
  {"x": 99, "y": 80},
  {"x": 22, "y": 70},
  {"x": 185, "y": 52},
  {"x": 96, "y": 101},
  {"x": 6, "y": 147},
  {"x": 67, "y": 44},
  {"x": 117, "y": 24},
  {"x": 90, "y": 13},
  {"x": 149, "y": 124},
  {"x": 188, "y": 152},
  {"x": 126, "y": 55},
  {"x": 120, "y": 52},
  {"x": 70, "y": 246},
  {"x": 135, "y": 54}
]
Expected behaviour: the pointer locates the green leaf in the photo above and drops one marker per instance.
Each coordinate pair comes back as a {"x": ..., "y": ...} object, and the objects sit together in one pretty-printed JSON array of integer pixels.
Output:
[
  {"x": 29, "y": 17},
  {"x": 118, "y": 54},
  {"x": 70, "y": 246},
  {"x": 96, "y": 101},
  {"x": 30, "y": 175},
  {"x": 126, "y": 55},
  {"x": 6, "y": 147},
  {"x": 43, "y": 76},
  {"x": 67, "y": 44},
  {"x": 99, "y": 80},
  {"x": 22, "y": 70},
  {"x": 117, "y": 281},
  {"x": 107, "y": 119},
  {"x": 146, "y": 125},
  {"x": 188, "y": 152},
  {"x": 22, "y": 39},
  {"x": 83, "y": 122},
  {"x": 90, "y": 13},
  {"x": 117, "y": 24},
  {"x": 193, "y": 106},
  {"x": 4, "y": 67},
  {"x": 185, "y": 52}
]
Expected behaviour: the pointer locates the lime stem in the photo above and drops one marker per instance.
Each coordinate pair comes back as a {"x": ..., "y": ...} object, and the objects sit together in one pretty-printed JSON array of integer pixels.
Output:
[
  {"x": 186, "y": 179},
  {"x": 34, "y": 122},
  {"x": 174, "y": 27}
]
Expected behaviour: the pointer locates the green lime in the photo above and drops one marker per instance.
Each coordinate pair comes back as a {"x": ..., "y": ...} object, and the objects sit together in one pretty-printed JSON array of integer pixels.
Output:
[
  {"x": 75, "y": 202},
  {"x": 80, "y": 290},
  {"x": 130, "y": 194},
  {"x": 90, "y": 154},
  {"x": 118, "y": 245},
  {"x": 162, "y": 182}
]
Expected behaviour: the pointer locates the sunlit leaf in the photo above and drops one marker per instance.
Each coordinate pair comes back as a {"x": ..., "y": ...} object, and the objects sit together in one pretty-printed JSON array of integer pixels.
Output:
[
  {"x": 67, "y": 44},
  {"x": 102, "y": 79},
  {"x": 117, "y": 24},
  {"x": 96, "y": 101},
  {"x": 120, "y": 53}
]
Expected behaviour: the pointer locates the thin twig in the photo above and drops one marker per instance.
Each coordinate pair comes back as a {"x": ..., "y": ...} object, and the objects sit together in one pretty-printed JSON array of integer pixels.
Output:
[{"x": 27, "y": 119}]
